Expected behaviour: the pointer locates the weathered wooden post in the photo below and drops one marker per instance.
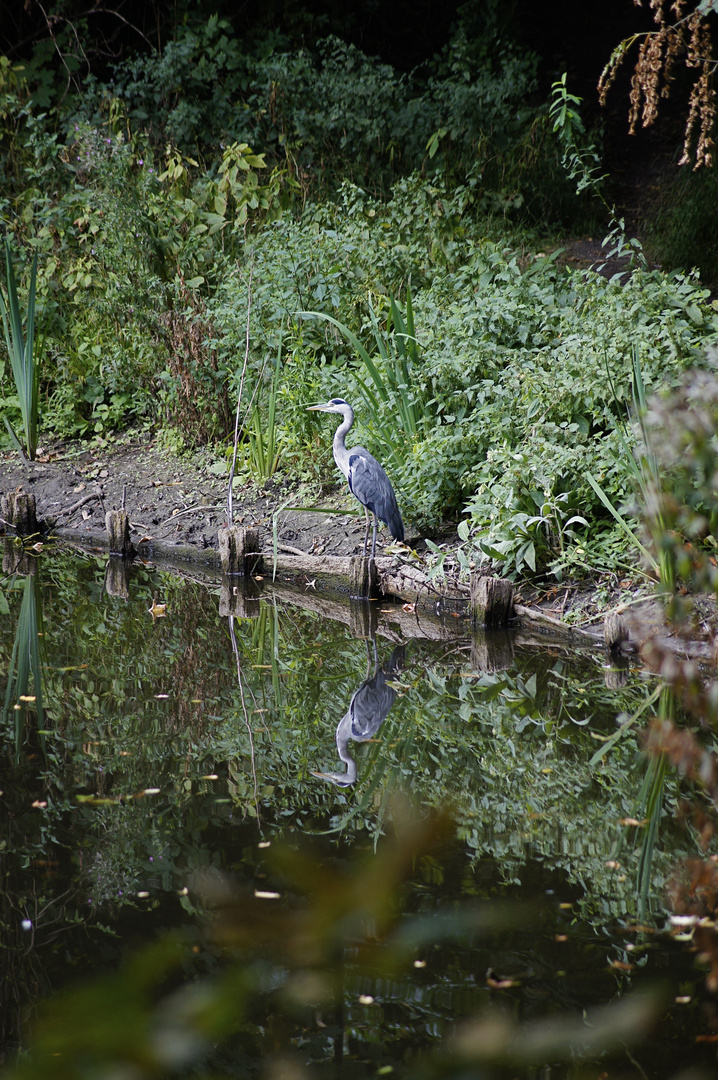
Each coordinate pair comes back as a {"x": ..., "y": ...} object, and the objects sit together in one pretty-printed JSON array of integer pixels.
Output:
[
  {"x": 616, "y": 674},
  {"x": 19, "y": 512},
  {"x": 117, "y": 527},
  {"x": 363, "y": 578},
  {"x": 16, "y": 560},
  {"x": 615, "y": 631},
  {"x": 492, "y": 601},
  {"x": 239, "y": 551}
]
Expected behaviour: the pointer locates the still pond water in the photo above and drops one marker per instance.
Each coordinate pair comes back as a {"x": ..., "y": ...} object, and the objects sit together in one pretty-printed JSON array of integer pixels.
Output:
[{"x": 267, "y": 846}]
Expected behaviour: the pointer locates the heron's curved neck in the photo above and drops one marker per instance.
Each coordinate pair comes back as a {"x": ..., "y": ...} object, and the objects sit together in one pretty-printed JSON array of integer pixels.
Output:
[
  {"x": 342, "y": 739},
  {"x": 340, "y": 446}
]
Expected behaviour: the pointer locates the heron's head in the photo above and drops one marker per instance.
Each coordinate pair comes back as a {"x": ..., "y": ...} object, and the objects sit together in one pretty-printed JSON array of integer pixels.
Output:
[
  {"x": 340, "y": 779},
  {"x": 337, "y": 405}
]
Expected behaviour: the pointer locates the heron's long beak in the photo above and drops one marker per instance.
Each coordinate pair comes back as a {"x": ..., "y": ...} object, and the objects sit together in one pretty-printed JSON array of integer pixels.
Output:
[{"x": 317, "y": 408}]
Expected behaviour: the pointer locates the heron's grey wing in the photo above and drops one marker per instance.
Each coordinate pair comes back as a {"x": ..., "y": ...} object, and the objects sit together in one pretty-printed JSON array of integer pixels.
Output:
[{"x": 371, "y": 486}]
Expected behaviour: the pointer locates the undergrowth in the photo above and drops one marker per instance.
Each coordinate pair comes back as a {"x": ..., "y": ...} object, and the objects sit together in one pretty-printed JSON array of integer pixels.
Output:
[{"x": 146, "y": 200}]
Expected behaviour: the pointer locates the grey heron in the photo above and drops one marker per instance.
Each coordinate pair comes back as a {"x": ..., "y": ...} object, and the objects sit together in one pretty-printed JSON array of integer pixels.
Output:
[
  {"x": 367, "y": 480},
  {"x": 367, "y": 711}
]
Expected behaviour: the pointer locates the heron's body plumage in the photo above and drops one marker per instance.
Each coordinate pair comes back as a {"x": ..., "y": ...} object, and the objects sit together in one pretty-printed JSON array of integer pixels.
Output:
[{"x": 379, "y": 498}]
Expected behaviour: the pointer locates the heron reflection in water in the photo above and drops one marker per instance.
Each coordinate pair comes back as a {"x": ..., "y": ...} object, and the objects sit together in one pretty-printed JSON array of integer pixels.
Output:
[{"x": 367, "y": 710}]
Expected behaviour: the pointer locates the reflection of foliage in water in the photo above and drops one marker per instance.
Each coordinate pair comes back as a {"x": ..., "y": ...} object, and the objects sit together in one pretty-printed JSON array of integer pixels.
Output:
[
  {"x": 510, "y": 752},
  {"x": 523, "y": 739}
]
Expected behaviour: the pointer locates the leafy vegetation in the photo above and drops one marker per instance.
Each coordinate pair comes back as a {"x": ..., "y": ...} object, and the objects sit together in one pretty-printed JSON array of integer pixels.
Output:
[{"x": 403, "y": 212}]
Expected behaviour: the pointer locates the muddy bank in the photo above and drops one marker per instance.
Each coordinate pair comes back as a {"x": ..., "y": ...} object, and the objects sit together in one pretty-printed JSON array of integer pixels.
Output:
[
  {"x": 174, "y": 500},
  {"x": 178, "y": 505}
]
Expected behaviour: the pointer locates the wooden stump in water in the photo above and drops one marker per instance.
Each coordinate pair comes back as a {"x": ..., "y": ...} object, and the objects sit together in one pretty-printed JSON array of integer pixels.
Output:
[
  {"x": 117, "y": 578},
  {"x": 239, "y": 551},
  {"x": 16, "y": 560},
  {"x": 615, "y": 631},
  {"x": 363, "y": 578},
  {"x": 363, "y": 618},
  {"x": 117, "y": 526},
  {"x": 239, "y": 598},
  {"x": 19, "y": 512},
  {"x": 616, "y": 675},
  {"x": 492, "y": 601}
]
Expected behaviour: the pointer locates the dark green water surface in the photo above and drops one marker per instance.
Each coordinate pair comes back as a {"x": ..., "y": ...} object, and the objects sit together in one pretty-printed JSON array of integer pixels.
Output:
[{"x": 192, "y": 887}]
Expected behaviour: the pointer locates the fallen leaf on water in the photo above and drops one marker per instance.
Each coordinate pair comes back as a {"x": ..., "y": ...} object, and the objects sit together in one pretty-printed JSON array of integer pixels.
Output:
[
  {"x": 157, "y": 611},
  {"x": 500, "y": 983}
]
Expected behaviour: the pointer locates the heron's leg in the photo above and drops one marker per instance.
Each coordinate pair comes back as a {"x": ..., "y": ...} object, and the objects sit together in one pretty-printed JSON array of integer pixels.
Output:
[
  {"x": 373, "y": 545},
  {"x": 366, "y": 531}
]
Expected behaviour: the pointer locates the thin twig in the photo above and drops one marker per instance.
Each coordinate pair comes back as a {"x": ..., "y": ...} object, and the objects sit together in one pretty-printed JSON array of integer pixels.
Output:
[
  {"x": 230, "y": 509},
  {"x": 235, "y": 649},
  {"x": 189, "y": 510},
  {"x": 96, "y": 494}
]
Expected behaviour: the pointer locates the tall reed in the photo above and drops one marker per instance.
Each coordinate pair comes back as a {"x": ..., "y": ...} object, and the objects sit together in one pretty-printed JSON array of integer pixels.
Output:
[
  {"x": 389, "y": 381},
  {"x": 21, "y": 350}
]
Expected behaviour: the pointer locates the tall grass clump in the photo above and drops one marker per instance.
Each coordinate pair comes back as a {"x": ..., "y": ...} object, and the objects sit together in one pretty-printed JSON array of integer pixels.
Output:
[
  {"x": 20, "y": 344},
  {"x": 387, "y": 377}
]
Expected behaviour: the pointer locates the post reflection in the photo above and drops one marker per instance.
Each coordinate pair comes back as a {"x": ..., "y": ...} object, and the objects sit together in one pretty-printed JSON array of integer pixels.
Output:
[{"x": 368, "y": 708}]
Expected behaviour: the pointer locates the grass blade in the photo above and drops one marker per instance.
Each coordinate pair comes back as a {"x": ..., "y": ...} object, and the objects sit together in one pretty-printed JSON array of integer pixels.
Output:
[
  {"x": 628, "y": 532},
  {"x": 21, "y": 348}
]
